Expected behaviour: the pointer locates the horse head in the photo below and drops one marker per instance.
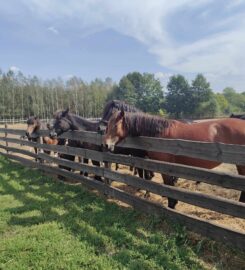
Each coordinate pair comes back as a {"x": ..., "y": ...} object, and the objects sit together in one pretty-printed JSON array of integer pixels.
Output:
[
  {"x": 115, "y": 130},
  {"x": 63, "y": 122},
  {"x": 33, "y": 126}
]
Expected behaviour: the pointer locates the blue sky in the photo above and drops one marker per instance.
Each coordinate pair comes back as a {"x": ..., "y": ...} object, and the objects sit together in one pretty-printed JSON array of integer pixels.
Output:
[{"x": 102, "y": 38}]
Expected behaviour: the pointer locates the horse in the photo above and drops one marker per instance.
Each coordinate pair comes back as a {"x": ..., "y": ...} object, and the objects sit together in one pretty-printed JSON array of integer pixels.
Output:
[
  {"x": 34, "y": 125},
  {"x": 117, "y": 105},
  {"x": 64, "y": 121},
  {"x": 229, "y": 131},
  {"x": 112, "y": 106},
  {"x": 239, "y": 116}
]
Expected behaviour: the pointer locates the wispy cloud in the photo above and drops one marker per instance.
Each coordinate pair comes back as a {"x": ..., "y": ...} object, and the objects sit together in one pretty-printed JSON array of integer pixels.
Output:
[
  {"x": 53, "y": 30},
  {"x": 186, "y": 36}
]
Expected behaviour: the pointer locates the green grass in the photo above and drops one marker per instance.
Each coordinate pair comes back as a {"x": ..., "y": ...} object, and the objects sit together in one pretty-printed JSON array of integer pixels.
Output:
[{"x": 46, "y": 224}]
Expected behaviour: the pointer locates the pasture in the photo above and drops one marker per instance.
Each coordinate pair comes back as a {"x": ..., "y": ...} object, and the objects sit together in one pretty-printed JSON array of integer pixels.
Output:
[
  {"x": 46, "y": 224},
  {"x": 218, "y": 218},
  {"x": 69, "y": 227}
]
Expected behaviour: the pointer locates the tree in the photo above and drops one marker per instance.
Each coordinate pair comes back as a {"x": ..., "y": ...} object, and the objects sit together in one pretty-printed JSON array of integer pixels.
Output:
[
  {"x": 236, "y": 100},
  {"x": 202, "y": 97},
  {"x": 178, "y": 98},
  {"x": 140, "y": 90},
  {"x": 222, "y": 103}
]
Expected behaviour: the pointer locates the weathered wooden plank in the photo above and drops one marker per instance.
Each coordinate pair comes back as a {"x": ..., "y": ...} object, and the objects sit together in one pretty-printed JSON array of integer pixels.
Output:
[
  {"x": 86, "y": 153},
  {"x": 73, "y": 165},
  {"x": 214, "y": 203},
  {"x": 20, "y": 132},
  {"x": 20, "y": 151},
  {"x": 84, "y": 136},
  {"x": 220, "y": 152},
  {"x": 206, "y": 228},
  {"x": 6, "y": 135},
  {"x": 205, "y": 150},
  {"x": 226, "y": 180}
]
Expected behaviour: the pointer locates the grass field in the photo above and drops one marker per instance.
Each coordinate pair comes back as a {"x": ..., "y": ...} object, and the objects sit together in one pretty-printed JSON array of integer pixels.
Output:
[{"x": 45, "y": 224}]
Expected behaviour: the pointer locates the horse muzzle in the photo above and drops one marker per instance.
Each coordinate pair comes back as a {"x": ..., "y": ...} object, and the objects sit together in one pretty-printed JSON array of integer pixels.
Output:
[
  {"x": 53, "y": 134},
  {"x": 111, "y": 147}
]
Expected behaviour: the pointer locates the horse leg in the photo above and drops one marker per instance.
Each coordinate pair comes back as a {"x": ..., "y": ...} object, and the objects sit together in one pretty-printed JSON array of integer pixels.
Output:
[
  {"x": 96, "y": 163},
  {"x": 170, "y": 181},
  {"x": 117, "y": 166},
  {"x": 241, "y": 171}
]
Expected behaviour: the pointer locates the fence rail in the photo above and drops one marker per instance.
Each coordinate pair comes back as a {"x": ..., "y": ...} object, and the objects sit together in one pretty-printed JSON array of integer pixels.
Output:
[{"x": 220, "y": 152}]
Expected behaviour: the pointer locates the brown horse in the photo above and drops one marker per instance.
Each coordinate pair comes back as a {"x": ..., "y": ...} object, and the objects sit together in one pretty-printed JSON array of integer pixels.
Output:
[
  {"x": 230, "y": 131},
  {"x": 65, "y": 121},
  {"x": 34, "y": 125}
]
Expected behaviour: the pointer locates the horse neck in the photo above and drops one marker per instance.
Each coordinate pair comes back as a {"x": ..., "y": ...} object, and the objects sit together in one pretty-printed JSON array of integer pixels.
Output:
[
  {"x": 40, "y": 125},
  {"x": 83, "y": 124},
  {"x": 147, "y": 125}
]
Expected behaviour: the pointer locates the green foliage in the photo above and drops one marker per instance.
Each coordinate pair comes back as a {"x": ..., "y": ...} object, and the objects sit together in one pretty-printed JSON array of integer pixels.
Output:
[
  {"x": 223, "y": 104},
  {"x": 178, "y": 98},
  {"x": 141, "y": 90},
  {"x": 236, "y": 101},
  {"x": 22, "y": 96}
]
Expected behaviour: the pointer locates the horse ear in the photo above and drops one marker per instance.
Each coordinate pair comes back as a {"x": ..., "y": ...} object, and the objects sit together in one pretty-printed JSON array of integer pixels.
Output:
[{"x": 64, "y": 113}]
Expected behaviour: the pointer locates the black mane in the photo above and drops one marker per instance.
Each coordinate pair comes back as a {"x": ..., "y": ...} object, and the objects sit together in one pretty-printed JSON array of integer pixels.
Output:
[
  {"x": 141, "y": 124},
  {"x": 118, "y": 105}
]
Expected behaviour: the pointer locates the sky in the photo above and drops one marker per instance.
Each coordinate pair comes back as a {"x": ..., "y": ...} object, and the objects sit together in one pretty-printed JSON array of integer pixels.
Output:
[{"x": 105, "y": 38}]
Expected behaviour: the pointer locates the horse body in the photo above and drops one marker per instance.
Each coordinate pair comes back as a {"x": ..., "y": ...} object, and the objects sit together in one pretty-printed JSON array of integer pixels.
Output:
[{"x": 230, "y": 131}]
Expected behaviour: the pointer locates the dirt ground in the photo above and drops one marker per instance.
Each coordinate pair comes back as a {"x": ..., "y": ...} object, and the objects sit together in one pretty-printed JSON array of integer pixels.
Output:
[{"x": 221, "y": 219}]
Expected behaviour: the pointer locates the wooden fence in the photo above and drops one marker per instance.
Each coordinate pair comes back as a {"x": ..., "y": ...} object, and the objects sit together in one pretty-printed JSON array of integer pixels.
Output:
[{"x": 234, "y": 154}]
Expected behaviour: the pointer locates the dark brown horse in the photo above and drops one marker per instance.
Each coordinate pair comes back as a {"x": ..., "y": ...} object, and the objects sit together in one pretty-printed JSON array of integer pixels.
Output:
[
  {"x": 230, "y": 131},
  {"x": 65, "y": 121},
  {"x": 34, "y": 125},
  {"x": 239, "y": 116}
]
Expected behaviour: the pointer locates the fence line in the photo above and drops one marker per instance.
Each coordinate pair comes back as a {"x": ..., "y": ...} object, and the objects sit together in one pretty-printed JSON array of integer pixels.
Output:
[{"x": 211, "y": 202}]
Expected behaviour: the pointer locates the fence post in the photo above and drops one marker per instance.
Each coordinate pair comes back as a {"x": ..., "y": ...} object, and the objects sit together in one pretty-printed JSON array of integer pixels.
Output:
[
  {"x": 107, "y": 166},
  {"x": 6, "y": 135},
  {"x": 40, "y": 150}
]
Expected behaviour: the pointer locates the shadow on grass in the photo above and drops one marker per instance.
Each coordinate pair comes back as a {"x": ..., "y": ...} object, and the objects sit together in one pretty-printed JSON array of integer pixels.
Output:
[{"x": 126, "y": 236}]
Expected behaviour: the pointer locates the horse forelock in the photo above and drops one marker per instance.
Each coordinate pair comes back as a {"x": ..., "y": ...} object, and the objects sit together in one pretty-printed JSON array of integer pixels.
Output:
[{"x": 145, "y": 125}]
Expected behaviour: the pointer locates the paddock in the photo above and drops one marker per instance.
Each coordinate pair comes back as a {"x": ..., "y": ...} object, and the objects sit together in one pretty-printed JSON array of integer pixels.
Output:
[{"x": 223, "y": 221}]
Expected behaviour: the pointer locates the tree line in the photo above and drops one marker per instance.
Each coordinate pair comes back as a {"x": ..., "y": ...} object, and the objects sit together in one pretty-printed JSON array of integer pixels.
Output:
[{"x": 22, "y": 96}]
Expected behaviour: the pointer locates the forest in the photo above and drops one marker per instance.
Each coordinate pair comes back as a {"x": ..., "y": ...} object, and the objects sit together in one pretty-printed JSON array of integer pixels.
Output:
[{"x": 22, "y": 96}]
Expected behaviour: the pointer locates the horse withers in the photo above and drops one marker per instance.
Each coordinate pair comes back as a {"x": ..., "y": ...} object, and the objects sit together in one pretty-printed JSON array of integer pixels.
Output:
[{"x": 228, "y": 131}]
